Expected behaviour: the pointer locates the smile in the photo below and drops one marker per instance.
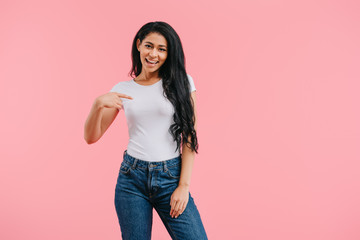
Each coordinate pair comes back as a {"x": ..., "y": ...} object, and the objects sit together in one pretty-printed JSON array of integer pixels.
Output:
[{"x": 153, "y": 63}]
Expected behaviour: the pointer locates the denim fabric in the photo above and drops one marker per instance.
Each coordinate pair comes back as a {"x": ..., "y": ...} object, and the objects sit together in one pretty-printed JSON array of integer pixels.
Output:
[{"x": 143, "y": 185}]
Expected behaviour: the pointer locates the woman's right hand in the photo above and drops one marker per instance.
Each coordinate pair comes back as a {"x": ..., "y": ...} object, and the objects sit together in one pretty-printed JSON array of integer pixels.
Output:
[{"x": 112, "y": 100}]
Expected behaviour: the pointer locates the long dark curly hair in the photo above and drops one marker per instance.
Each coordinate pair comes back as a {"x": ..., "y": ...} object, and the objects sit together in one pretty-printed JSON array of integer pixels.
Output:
[{"x": 175, "y": 82}]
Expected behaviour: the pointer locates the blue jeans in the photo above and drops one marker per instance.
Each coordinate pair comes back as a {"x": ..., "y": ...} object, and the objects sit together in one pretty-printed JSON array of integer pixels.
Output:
[{"x": 143, "y": 185}]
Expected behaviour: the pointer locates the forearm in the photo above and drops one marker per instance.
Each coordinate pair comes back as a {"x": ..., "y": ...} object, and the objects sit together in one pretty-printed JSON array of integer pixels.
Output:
[
  {"x": 92, "y": 128},
  {"x": 187, "y": 162}
]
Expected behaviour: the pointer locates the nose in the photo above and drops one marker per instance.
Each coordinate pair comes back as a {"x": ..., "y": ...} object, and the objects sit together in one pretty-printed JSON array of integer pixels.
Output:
[{"x": 153, "y": 53}]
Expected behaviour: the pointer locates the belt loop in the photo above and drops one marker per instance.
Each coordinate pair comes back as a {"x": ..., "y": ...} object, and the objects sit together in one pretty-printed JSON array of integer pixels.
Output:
[
  {"x": 165, "y": 167},
  {"x": 134, "y": 164},
  {"x": 124, "y": 153}
]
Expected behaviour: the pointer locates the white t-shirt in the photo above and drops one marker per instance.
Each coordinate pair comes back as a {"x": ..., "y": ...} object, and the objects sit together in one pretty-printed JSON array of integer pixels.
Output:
[{"x": 149, "y": 115}]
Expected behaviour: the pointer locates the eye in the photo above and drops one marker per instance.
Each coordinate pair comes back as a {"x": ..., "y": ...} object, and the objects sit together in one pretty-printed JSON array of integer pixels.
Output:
[
  {"x": 147, "y": 45},
  {"x": 162, "y": 49}
]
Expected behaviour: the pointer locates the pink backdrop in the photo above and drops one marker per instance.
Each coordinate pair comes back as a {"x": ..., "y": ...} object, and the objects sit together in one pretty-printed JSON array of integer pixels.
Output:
[{"x": 278, "y": 116}]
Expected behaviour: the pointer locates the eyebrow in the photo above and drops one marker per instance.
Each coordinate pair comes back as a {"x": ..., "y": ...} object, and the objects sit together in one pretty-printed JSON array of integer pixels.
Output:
[{"x": 153, "y": 44}]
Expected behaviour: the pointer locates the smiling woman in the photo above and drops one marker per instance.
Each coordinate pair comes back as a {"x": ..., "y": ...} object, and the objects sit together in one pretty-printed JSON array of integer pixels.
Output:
[
  {"x": 152, "y": 55},
  {"x": 159, "y": 105}
]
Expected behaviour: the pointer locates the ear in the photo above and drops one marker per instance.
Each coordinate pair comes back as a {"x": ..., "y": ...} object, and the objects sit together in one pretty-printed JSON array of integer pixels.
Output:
[{"x": 138, "y": 44}]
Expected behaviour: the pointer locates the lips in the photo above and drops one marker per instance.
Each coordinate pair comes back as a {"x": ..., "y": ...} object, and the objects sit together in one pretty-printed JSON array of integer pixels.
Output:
[{"x": 151, "y": 62}]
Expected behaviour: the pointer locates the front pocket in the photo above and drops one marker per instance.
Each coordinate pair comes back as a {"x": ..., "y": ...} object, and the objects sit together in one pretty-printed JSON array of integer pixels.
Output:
[
  {"x": 124, "y": 168},
  {"x": 174, "y": 171}
]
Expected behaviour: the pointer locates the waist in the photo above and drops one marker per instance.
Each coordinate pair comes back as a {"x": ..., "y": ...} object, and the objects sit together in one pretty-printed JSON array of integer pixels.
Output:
[
  {"x": 144, "y": 163},
  {"x": 154, "y": 150}
]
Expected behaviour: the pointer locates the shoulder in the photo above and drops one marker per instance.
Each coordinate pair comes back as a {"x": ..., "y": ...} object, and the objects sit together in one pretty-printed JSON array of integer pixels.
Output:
[
  {"x": 121, "y": 86},
  {"x": 191, "y": 81},
  {"x": 189, "y": 77}
]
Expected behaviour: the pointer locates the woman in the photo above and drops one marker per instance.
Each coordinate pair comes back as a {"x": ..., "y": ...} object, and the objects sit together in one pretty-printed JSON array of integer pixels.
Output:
[{"x": 159, "y": 105}]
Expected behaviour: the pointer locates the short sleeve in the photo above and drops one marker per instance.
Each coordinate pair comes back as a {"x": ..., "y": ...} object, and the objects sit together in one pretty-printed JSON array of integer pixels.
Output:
[{"x": 192, "y": 84}]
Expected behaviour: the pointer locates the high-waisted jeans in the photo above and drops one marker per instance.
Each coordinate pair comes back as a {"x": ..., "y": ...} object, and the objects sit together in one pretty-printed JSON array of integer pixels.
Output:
[{"x": 143, "y": 185}]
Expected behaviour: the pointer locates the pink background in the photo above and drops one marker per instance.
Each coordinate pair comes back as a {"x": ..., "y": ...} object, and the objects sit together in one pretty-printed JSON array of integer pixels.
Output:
[{"x": 278, "y": 116}]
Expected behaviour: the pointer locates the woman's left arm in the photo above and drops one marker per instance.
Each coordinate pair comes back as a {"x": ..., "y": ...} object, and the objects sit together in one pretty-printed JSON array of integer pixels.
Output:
[{"x": 180, "y": 196}]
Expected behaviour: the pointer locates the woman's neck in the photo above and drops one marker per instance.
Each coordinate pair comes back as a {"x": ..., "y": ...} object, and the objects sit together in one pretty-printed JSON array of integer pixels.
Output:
[{"x": 149, "y": 77}]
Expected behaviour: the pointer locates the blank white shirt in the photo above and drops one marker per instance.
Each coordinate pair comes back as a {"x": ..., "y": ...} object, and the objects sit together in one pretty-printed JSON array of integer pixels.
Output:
[{"x": 149, "y": 115}]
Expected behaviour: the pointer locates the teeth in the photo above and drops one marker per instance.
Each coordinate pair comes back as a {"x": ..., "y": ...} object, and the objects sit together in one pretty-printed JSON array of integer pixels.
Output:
[{"x": 150, "y": 61}]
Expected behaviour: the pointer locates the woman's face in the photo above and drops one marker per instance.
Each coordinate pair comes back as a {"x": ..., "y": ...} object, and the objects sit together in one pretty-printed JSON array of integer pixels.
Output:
[{"x": 153, "y": 51}]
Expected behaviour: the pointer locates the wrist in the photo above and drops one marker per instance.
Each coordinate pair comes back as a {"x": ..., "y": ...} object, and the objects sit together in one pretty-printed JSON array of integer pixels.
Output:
[{"x": 185, "y": 185}]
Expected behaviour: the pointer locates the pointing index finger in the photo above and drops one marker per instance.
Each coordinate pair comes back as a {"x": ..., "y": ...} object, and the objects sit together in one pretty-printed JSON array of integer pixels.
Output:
[{"x": 124, "y": 96}]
